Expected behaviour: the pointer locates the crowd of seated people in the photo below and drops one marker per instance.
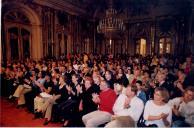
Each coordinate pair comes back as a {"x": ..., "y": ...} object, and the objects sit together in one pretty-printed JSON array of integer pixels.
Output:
[{"x": 104, "y": 90}]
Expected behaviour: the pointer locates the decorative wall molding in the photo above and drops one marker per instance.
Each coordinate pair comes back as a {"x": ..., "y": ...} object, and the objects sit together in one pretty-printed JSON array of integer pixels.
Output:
[{"x": 62, "y": 5}]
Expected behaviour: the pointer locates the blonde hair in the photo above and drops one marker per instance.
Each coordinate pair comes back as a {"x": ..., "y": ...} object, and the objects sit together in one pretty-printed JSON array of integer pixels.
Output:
[{"x": 164, "y": 93}]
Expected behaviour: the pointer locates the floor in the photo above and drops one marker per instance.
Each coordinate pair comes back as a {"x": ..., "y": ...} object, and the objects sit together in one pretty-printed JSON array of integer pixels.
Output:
[{"x": 10, "y": 116}]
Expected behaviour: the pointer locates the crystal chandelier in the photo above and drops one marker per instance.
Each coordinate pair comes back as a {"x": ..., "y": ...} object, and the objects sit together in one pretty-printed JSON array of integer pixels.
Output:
[{"x": 111, "y": 25}]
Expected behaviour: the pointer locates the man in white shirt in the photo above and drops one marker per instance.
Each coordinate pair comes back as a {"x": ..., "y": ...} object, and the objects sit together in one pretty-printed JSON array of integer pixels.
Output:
[
  {"x": 184, "y": 107},
  {"x": 127, "y": 109}
]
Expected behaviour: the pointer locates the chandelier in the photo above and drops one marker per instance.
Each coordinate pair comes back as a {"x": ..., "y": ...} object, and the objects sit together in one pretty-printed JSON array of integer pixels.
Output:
[{"x": 111, "y": 25}]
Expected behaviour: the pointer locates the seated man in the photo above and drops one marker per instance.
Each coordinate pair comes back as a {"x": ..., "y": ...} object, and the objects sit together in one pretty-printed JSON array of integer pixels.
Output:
[
  {"x": 183, "y": 109},
  {"x": 106, "y": 100},
  {"x": 127, "y": 109}
]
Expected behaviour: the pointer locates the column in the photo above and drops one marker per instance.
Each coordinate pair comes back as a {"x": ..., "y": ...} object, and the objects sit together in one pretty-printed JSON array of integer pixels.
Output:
[
  {"x": 8, "y": 48},
  {"x": 152, "y": 39},
  {"x": 20, "y": 44},
  {"x": 37, "y": 47},
  {"x": 94, "y": 36},
  {"x": 68, "y": 44},
  {"x": 191, "y": 30}
]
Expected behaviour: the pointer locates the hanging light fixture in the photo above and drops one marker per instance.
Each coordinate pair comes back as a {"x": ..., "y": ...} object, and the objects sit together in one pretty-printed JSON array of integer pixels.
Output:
[{"x": 111, "y": 25}]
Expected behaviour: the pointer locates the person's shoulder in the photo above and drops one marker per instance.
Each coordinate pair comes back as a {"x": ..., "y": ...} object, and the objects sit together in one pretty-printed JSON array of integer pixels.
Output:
[
  {"x": 122, "y": 95},
  {"x": 191, "y": 103},
  {"x": 149, "y": 102},
  {"x": 138, "y": 100},
  {"x": 112, "y": 91},
  {"x": 167, "y": 106},
  {"x": 142, "y": 93},
  {"x": 176, "y": 99}
]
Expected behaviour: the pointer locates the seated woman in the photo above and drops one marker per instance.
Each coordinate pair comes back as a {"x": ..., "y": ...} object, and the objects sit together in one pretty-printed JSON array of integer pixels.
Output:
[
  {"x": 183, "y": 109},
  {"x": 45, "y": 87},
  {"x": 59, "y": 95},
  {"x": 86, "y": 104},
  {"x": 157, "y": 112},
  {"x": 121, "y": 78},
  {"x": 179, "y": 84},
  {"x": 69, "y": 108}
]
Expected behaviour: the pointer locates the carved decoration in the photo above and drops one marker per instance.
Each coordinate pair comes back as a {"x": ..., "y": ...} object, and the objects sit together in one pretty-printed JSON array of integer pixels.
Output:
[
  {"x": 140, "y": 30},
  {"x": 17, "y": 16}
]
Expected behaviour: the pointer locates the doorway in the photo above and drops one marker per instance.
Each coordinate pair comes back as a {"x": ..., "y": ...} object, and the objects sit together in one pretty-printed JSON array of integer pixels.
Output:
[
  {"x": 141, "y": 46},
  {"x": 13, "y": 41},
  {"x": 26, "y": 43},
  {"x": 165, "y": 45},
  {"x": 22, "y": 32},
  {"x": 19, "y": 40}
]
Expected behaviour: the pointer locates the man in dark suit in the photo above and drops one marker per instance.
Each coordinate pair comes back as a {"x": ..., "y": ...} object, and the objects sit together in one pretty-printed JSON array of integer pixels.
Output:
[{"x": 163, "y": 83}]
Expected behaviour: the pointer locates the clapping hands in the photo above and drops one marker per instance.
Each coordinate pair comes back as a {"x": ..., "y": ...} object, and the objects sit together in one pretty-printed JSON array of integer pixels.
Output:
[
  {"x": 95, "y": 97},
  {"x": 163, "y": 116},
  {"x": 69, "y": 88},
  {"x": 127, "y": 103},
  {"x": 175, "y": 109},
  {"x": 79, "y": 88}
]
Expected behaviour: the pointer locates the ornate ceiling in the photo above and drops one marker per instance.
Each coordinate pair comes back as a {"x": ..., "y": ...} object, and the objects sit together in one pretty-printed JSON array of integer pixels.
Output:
[{"x": 131, "y": 8}]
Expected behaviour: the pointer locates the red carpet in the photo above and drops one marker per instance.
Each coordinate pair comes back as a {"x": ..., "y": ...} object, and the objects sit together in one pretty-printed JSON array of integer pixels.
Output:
[{"x": 10, "y": 116}]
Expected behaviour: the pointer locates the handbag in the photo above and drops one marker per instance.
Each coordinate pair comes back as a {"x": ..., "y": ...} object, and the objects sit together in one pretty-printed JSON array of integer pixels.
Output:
[{"x": 141, "y": 122}]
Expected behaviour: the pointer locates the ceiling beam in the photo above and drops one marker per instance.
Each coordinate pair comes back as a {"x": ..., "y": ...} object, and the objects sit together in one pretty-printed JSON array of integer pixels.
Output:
[{"x": 62, "y": 5}]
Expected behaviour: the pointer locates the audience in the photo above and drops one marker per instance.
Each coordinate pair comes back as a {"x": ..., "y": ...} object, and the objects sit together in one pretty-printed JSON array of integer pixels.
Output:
[{"x": 82, "y": 89}]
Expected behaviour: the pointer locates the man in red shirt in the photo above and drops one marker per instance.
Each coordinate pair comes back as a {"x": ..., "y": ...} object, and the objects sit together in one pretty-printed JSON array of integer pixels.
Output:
[{"x": 106, "y": 100}]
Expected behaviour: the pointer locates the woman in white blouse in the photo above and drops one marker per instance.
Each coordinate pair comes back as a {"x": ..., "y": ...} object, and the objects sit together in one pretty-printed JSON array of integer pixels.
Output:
[{"x": 157, "y": 112}]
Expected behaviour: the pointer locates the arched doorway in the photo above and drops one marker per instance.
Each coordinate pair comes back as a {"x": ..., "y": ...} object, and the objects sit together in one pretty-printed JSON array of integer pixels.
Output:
[
  {"x": 26, "y": 42},
  {"x": 18, "y": 36},
  {"x": 62, "y": 44},
  {"x": 141, "y": 46},
  {"x": 22, "y": 34},
  {"x": 13, "y": 40}
]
